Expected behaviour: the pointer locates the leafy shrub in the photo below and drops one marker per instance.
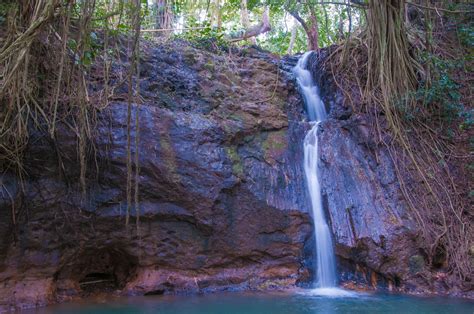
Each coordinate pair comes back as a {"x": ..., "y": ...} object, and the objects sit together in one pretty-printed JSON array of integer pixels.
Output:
[
  {"x": 204, "y": 36},
  {"x": 466, "y": 34},
  {"x": 441, "y": 96}
]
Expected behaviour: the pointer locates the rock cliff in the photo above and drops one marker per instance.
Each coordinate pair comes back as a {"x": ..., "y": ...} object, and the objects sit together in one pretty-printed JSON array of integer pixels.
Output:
[
  {"x": 223, "y": 200},
  {"x": 222, "y": 193}
]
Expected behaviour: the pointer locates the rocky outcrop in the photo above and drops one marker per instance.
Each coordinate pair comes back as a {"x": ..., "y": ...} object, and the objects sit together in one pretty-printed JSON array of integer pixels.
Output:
[
  {"x": 222, "y": 194},
  {"x": 377, "y": 240}
]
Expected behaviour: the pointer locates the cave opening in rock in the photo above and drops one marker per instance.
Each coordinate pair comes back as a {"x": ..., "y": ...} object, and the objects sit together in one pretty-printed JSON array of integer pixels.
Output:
[{"x": 100, "y": 269}]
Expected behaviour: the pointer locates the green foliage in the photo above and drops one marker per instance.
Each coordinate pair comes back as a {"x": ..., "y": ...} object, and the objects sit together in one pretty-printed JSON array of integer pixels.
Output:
[
  {"x": 86, "y": 54},
  {"x": 5, "y": 7},
  {"x": 441, "y": 96},
  {"x": 446, "y": 92},
  {"x": 203, "y": 35},
  {"x": 197, "y": 14},
  {"x": 278, "y": 41},
  {"x": 199, "y": 21},
  {"x": 466, "y": 34}
]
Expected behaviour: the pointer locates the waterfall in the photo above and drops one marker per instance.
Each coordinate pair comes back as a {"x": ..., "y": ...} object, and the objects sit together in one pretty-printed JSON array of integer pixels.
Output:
[{"x": 325, "y": 259}]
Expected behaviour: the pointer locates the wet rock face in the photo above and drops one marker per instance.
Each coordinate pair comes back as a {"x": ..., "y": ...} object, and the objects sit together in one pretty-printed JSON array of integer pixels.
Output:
[
  {"x": 374, "y": 234},
  {"x": 222, "y": 193}
]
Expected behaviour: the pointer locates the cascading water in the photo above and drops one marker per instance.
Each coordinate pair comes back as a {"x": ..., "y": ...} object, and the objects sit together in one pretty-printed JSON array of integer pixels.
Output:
[{"x": 325, "y": 259}]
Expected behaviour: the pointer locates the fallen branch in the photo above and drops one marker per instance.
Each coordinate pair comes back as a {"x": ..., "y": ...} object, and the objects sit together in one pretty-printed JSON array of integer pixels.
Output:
[{"x": 256, "y": 30}]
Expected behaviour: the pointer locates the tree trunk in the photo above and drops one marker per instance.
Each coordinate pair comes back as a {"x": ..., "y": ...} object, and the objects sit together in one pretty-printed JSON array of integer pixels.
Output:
[
  {"x": 219, "y": 14},
  {"x": 313, "y": 32},
  {"x": 244, "y": 16},
  {"x": 340, "y": 26},
  {"x": 164, "y": 17},
  {"x": 310, "y": 28},
  {"x": 349, "y": 15},
  {"x": 292, "y": 39}
]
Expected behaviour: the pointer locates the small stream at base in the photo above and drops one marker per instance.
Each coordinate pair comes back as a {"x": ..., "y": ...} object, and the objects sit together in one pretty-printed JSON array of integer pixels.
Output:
[{"x": 259, "y": 303}]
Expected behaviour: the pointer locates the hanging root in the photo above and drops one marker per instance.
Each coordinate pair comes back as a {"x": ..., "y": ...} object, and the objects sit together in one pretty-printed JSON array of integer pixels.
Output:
[
  {"x": 19, "y": 84},
  {"x": 132, "y": 98},
  {"x": 47, "y": 68}
]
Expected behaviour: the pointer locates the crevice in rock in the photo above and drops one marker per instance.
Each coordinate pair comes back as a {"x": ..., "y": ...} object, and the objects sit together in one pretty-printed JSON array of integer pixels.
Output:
[
  {"x": 155, "y": 292},
  {"x": 99, "y": 270}
]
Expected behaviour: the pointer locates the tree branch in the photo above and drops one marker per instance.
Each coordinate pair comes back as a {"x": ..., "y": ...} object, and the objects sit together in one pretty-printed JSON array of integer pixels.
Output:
[
  {"x": 359, "y": 4},
  {"x": 256, "y": 30},
  {"x": 297, "y": 17}
]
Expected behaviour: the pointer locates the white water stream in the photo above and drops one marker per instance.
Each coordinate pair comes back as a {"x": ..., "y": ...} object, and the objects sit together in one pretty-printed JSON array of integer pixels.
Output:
[{"x": 325, "y": 259}]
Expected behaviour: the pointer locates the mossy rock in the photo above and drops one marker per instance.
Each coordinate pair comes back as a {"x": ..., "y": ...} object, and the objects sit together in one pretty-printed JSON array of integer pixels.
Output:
[
  {"x": 416, "y": 263},
  {"x": 274, "y": 284},
  {"x": 189, "y": 56},
  {"x": 237, "y": 167},
  {"x": 275, "y": 144},
  {"x": 209, "y": 66}
]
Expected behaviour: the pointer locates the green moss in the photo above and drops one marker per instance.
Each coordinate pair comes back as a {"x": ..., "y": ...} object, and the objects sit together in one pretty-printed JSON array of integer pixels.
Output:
[
  {"x": 209, "y": 66},
  {"x": 275, "y": 143},
  {"x": 189, "y": 56},
  {"x": 237, "y": 167},
  {"x": 274, "y": 284}
]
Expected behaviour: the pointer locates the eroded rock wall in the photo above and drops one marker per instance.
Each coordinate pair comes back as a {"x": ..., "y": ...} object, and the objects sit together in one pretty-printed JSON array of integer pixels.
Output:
[{"x": 222, "y": 193}]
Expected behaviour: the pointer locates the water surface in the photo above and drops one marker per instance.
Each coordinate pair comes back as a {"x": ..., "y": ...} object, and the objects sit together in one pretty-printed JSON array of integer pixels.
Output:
[{"x": 271, "y": 303}]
